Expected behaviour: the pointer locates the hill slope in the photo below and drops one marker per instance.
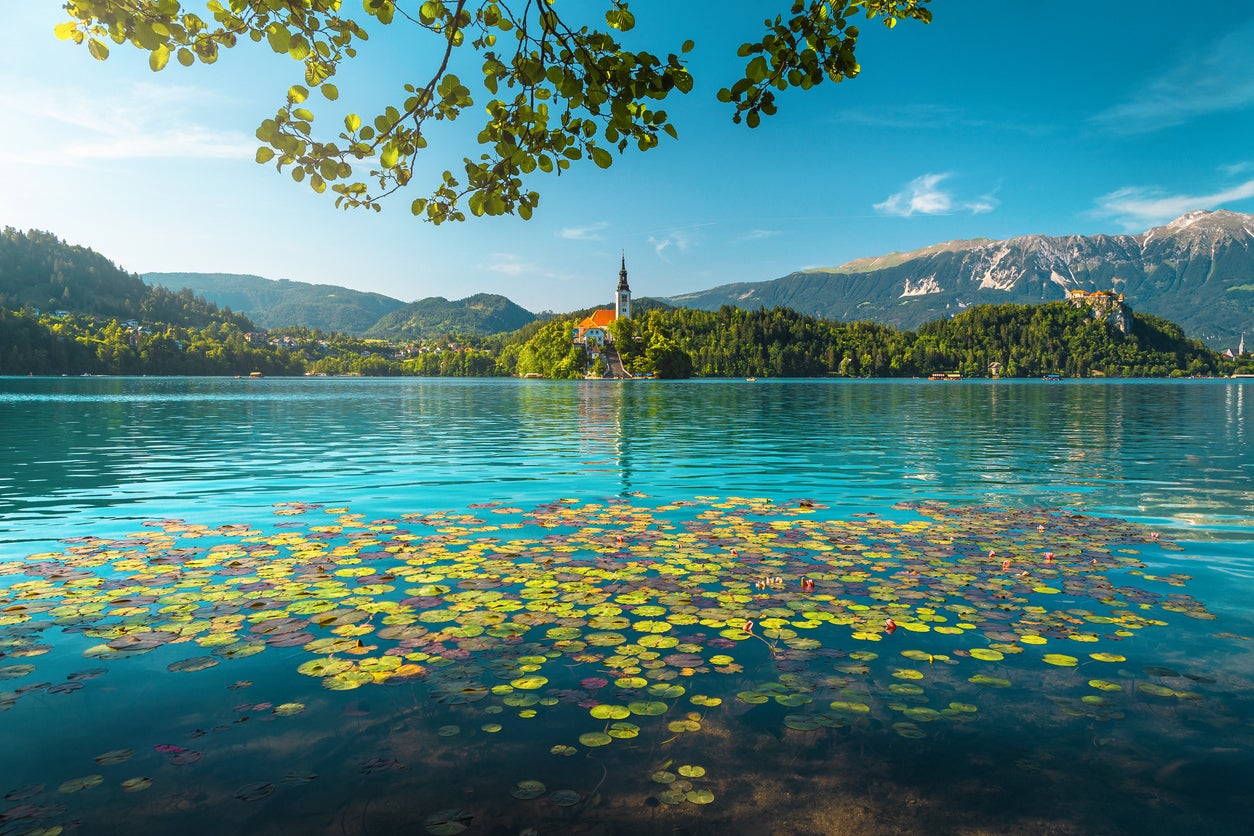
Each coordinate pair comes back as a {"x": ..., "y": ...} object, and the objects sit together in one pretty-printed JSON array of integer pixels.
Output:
[
  {"x": 40, "y": 271},
  {"x": 1197, "y": 271},
  {"x": 479, "y": 316},
  {"x": 279, "y": 303}
]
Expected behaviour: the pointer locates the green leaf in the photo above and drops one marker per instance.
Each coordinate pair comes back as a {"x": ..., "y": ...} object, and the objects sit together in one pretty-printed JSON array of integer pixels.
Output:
[
  {"x": 352, "y": 122},
  {"x": 757, "y": 70},
  {"x": 601, "y": 157},
  {"x": 297, "y": 94},
  {"x": 65, "y": 31},
  {"x": 389, "y": 156},
  {"x": 280, "y": 39},
  {"x": 303, "y": 114},
  {"x": 299, "y": 50},
  {"x": 159, "y": 58},
  {"x": 330, "y": 91},
  {"x": 687, "y": 47},
  {"x": 185, "y": 56},
  {"x": 265, "y": 155},
  {"x": 97, "y": 49}
]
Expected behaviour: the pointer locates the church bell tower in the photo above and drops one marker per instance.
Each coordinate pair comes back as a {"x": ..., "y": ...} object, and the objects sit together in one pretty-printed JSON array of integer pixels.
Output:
[{"x": 622, "y": 300}]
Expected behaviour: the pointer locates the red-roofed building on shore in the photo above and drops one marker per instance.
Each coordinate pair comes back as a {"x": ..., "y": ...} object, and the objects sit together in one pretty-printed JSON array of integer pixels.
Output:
[{"x": 594, "y": 328}]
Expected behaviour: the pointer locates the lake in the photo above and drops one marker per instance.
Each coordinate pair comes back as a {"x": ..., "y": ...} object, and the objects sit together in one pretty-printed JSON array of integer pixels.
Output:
[{"x": 499, "y": 606}]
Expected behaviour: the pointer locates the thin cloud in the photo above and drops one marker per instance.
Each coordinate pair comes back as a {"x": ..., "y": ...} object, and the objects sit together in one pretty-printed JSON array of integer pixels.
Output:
[
  {"x": 1137, "y": 208},
  {"x": 924, "y": 196},
  {"x": 584, "y": 233},
  {"x": 510, "y": 264},
  {"x": 929, "y": 117},
  {"x": 679, "y": 239},
  {"x": 1202, "y": 81},
  {"x": 69, "y": 127},
  {"x": 759, "y": 235}
]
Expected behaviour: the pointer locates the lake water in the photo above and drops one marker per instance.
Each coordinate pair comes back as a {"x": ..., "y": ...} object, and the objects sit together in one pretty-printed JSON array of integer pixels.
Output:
[{"x": 377, "y": 606}]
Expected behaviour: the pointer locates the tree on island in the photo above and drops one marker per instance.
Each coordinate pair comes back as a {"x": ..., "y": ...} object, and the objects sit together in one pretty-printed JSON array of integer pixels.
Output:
[{"x": 557, "y": 91}]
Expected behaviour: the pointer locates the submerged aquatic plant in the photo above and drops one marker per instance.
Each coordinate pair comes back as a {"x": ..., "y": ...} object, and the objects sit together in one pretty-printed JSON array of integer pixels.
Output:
[{"x": 654, "y": 621}]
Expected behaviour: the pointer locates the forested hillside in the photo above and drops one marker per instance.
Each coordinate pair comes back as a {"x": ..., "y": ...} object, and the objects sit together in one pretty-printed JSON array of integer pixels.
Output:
[
  {"x": 1027, "y": 340},
  {"x": 42, "y": 272},
  {"x": 282, "y": 303},
  {"x": 475, "y": 316}
]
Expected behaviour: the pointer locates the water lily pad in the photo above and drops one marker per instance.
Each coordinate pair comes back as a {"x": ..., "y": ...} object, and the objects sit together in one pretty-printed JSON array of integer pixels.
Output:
[
  {"x": 594, "y": 739},
  {"x": 1061, "y": 660},
  {"x": 15, "y": 671},
  {"x": 565, "y": 798},
  {"x": 115, "y": 756},
  {"x": 79, "y": 784},
  {"x": 196, "y": 663},
  {"x": 255, "y": 791},
  {"x": 648, "y": 709},
  {"x": 610, "y": 712},
  {"x": 701, "y": 796},
  {"x": 448, "y": 822},
  {"x": 528, "y": 789},
  {"x": 136, "y": 784}
]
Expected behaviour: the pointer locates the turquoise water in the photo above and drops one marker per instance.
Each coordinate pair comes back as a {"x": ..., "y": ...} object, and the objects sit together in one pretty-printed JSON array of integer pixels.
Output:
[{"x": 671, "y": 491}]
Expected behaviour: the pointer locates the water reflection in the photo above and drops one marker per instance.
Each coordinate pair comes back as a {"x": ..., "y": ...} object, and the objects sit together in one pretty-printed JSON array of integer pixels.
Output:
[{"x": 1174, "y": 451}]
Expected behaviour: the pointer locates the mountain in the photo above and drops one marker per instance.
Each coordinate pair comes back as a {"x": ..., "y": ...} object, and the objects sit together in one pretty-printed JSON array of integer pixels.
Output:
[
  {"x": 38, "y": 270},
  {"x": 1197, "y": 271},
  {"x": 478, "y": 316},
  {"x": 278, "y": 303}
]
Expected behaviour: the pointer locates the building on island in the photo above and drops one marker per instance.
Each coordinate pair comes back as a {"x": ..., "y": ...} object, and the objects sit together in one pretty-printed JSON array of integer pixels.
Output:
[
  {"x": 593, "y": 333},
  {"x": 1105, "y": 304},
  {"x": 622, "y": 299},
  {"x": 594, "y": 328}
]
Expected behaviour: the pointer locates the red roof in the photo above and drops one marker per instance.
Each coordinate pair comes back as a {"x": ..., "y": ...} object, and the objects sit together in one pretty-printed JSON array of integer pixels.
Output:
[{"x": 598, "y": 319}]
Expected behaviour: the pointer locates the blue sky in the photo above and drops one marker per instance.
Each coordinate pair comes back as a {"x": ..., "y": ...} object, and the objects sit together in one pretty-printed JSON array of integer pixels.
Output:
[{"x": 999, "y": 119}]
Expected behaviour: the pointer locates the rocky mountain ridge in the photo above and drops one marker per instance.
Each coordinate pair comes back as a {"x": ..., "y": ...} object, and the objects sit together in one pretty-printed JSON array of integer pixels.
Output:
[{"x": 1197, "y": 270}]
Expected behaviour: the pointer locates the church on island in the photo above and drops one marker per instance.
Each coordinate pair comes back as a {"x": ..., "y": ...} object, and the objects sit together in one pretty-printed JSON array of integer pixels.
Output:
[{"x": 593, "y": 334}]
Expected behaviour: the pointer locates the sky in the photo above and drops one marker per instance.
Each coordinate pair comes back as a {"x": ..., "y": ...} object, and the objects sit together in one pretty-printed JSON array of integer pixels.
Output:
[{"x": 998, "y": 119}]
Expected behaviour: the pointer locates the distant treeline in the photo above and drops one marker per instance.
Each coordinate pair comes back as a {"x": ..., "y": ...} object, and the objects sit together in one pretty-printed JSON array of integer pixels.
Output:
[
  {"x": 68, "y": 310},
  {"x": 1026, "y": 340},
  {"x": 1012, "y": 340}
]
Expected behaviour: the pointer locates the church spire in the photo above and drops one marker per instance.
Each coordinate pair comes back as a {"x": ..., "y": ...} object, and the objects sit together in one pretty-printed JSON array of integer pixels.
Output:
[
  {"x": 622, "y": 299},
  {"x": 622, "y": 275}
]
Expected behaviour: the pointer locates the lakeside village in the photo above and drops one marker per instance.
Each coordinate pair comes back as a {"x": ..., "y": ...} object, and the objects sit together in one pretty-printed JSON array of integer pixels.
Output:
[{"x": 1088, "y": 334}]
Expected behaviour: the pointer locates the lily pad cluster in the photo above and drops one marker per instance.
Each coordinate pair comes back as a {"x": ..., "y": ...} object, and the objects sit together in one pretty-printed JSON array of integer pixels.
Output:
[{"x": 648, "y": 620}]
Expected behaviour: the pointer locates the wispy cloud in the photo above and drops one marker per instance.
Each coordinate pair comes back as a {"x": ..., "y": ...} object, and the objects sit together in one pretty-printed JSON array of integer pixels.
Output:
[
  {"x": 930, "y": 116},
  {"x": 591, "y": 232},
  {"x": 510, "y": 264},
  {"x": 1212, "y": 79},
  {"x": 143, "y": 121},
  {"x": 1234, "y": 169},
  {"x": 1137, "y": 208},
  {"x": 759, "y": 235},
  {"x": 679, "y": 239},
  {"x": 924, "y": 196}
]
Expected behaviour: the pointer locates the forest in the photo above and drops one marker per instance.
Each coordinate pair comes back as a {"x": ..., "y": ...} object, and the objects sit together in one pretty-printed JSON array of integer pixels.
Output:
[
  {"x": 1003, "y": 340},
  {"x": 68, "y": 310}
]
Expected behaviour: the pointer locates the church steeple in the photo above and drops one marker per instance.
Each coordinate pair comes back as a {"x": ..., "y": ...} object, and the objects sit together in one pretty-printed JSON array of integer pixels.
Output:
[{"x": 622, "y": 299}]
